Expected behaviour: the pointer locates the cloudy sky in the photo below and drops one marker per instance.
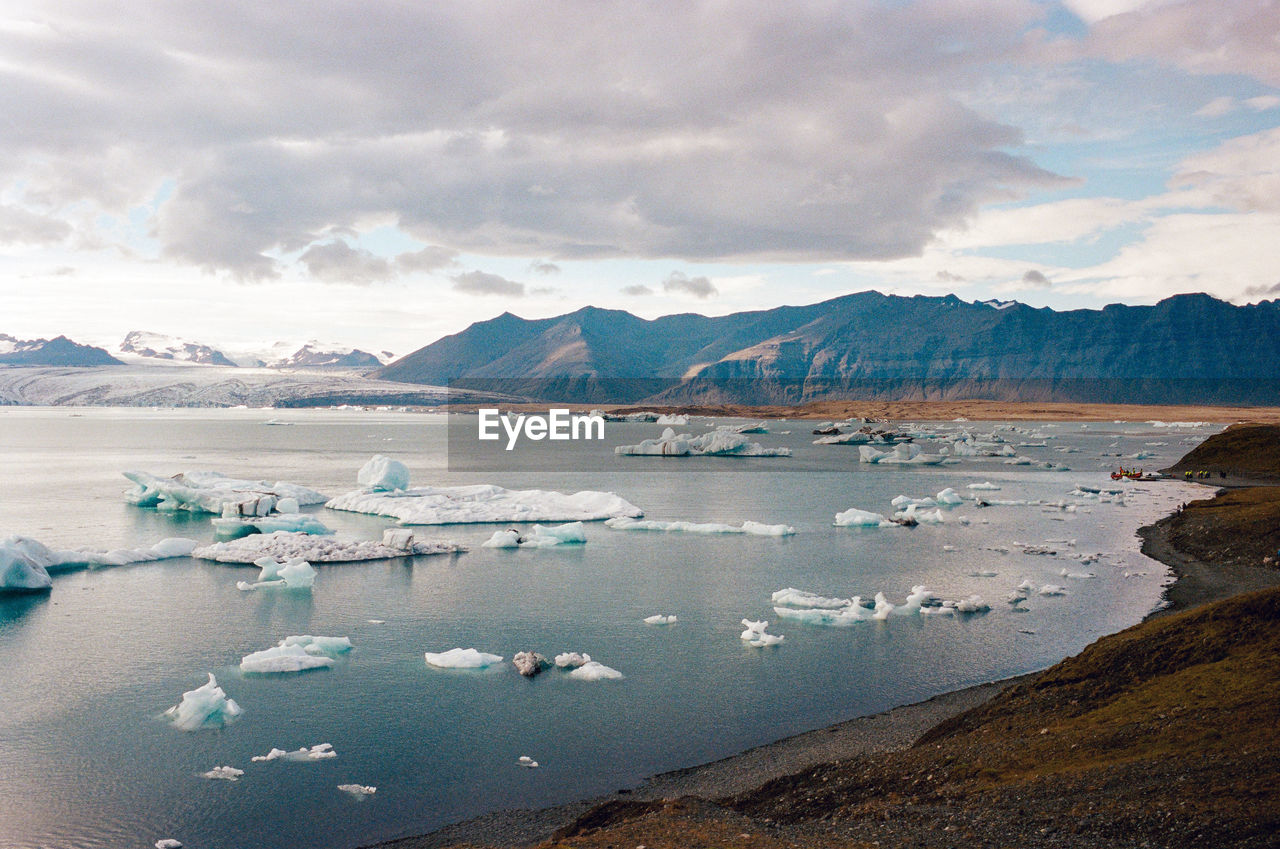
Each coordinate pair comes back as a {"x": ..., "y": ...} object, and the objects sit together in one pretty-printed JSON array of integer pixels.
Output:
[{"x": 384, "y": 172}]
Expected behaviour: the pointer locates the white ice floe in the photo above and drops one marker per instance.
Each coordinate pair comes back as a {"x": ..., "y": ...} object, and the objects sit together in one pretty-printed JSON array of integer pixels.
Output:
[
  {"x": 914, "y": 514},
  {"x": 318, "y": 752},
  {"x": 296, "y": 654},
  {"x": 855, "y": 518},
  {"x": 204, "y": 707},
  {"x": 284, "y": 545},
  {"x": 383, "y": 474},
  {"x": 443, "y": 505},
  {"x": 211, "y": 492},
  {"x": 748, "y": 527},
  {"x": 815, "y": 616},
  {"x": 793, "y": 597},
  {"x": 168, "y": 843},
  {"x": 572, "y": 660},
  {"x": 755, "y": 634},
  {"x": 717, "y": 443},
  {"x": 905, "y": 454},
  {"x": 948, "y": 498},
  {"x": 26, "y": 564},
  {"x": 660, "y": 619},
  {"x": 677, "y": 420},
  {"x": 855, "y": 437},
  {"x": 462, "y": 659},
  {"x": 1078, "y": 576},
  {"x": 226, "y": 773},
  {"x": 527, "y": 762},
  {"x": 1052, "y": 589},
  {"x": 593, "y": 671},
  {"x": 293, "y": 574},
  {"x": 300, "y": 523},
  {"x": 358, "y": 790},
  {"x": 539, "y": 536}
]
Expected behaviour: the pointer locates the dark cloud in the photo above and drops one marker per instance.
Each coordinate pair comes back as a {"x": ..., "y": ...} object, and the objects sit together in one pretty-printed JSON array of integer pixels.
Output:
[
  {"x": 699, "y": 287},
  {"x": 1037, "y": 279},
  {"x": 338, "y": 262},
  {"x": 484, "y": 283},
  {"x": 637, "y": 289},
  {"x": 543, "y": 267},
  {"x": 1261, "y": 291},
  {"x": 19, "y": 226},
  {"x": 698, "y": 131}
]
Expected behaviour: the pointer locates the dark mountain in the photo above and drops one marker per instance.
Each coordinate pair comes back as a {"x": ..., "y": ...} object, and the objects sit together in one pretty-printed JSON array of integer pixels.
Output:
[
  {"x": 1187, "y": 348},
  {"x": 51, "y": 352}
]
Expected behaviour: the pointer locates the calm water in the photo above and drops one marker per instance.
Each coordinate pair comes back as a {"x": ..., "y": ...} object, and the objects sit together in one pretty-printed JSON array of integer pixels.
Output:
[{"x": 85, "y": 672}]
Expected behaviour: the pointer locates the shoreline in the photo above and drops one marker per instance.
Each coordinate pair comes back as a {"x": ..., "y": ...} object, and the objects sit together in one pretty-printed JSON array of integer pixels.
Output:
[{"x": 1195, "y": 583}]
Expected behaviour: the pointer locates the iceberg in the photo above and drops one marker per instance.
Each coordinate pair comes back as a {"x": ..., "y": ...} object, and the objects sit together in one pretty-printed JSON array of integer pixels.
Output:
[
  {"x": 383, "y": 474},
  {"x": 913, "y": 515},
  {"x": 717, "y": 443},
  {"x": 855, "y": 518},
  {"x": 793, "y": 597},
  {"x": 226, "y": 773},
  {"x": 462, "y": 659},
  {"x": 905, "y": 454},
  {"x": 529, "y": 663},
  {"x": 358, "y": 790},
  {"x": 755, "y": 634},
  {"x": 841, "y": 618},
  {"x": 233, "y": 527},
  {"x": 538, "y": 537},
  {"x": 296, "y": 654},
  {"x": 211, "y": 492},
  {"x": 444, "y": 505},
  {"x": 593, "y": 671},
  {"x": 206, "y": 706},
  {"x": 985, "y": 486},
  {"x": 660, "y": 619},
  {"x": 318, "y": 752},
  {"x": 293, "y": 574},
  {"x": 288, "y": 545},
  {"x": 527, "y": 762},
  {"x": 572, "y": 660},
  {"x": 26, "y": 564},
  {"x": 748, "y": 527},
  {"x": 855, "y": 437},
  {"x": 949, "y": 498},
  {"x": 168, "y": 843},
  {"x": 679, "y": 420}
]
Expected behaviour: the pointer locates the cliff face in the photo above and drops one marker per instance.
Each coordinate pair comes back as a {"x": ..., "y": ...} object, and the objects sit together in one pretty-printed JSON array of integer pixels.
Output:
[{"x": 1188, "y": 348}]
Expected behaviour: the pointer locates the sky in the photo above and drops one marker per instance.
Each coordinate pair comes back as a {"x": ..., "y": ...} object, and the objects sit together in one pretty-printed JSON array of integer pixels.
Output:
[{"x": 382, "y": 173}]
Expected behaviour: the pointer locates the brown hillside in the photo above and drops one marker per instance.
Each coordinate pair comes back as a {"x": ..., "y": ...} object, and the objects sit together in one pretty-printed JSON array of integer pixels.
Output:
[{"x": 1249, "y": 451}]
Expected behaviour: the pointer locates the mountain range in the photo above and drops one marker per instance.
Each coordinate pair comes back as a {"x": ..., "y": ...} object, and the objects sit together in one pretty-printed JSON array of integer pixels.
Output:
[{"x": 1184, "y": 349}]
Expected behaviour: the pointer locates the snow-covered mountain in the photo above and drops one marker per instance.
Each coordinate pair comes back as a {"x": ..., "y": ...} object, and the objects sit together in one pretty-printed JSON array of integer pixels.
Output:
[
  {"x": 158, "y": 346},
  {"x": 317, "y": 354},
  {"x": 60, "y": 351}
]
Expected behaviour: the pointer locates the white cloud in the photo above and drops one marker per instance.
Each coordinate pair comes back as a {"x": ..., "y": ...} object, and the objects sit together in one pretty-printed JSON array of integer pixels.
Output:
[{"x": 484, "y": 283}]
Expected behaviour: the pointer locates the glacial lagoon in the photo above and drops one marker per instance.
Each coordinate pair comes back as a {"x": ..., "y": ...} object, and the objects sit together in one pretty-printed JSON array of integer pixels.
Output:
[{"x": 87, "y": 757}]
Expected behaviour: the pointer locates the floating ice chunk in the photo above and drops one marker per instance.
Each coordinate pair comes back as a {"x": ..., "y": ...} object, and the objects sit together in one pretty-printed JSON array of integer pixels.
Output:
[
  {"x": 572, "y": 660},
  {"x": 677, "y": 420},
  {"x": 445, "y": 505},
  {"x": 463, "y": 659},
  {"x": 359, "y": 791},
  {"x": 539, "y": 536},
  {"x": 841, "y": 618},
  {"x": 793, "y": 597},
  {"x": 660, "y": 619},
  {"x": 949, "y": 498},
  {"x": 294, "y": 574},
  {"x": 919, "y": 596},
  {"x": 296, "y": 654},
  {"x": 298, "y": 574},
  {"x": 226, "y": 773},
  {"x": 1079, "y": 576},
  {"x": 906, "y": 453},
  {"x": 748, "y": 527},
  {"x": 234, "y": 528},
  {"x": 24, "y": 564},
  {"x": 287, "y": 505},
  {"x": 855, "y": 437},
  {"x": 904, "y": 501},
  {"x": 883, "y": 609},
  {"x": 284, "y": 545},
  {"x": 318, "y": 752},
  {"x": 527, "y": 762},
  {"x": 593, "y": 671},
  {"x": 914, "y": 514},
  {"x": 211, "y": 492},
  {"x": 204, "y": 707},
  {"x": 383, "y": 474},
  {"x": 855, "y": 518},
  {"x": 529, "y": 663},
  {"x": 168, "y": 843},
  {"x": 983, "y": 573},
  {"x": 755, "y": 634},
  {"x": 717, "y": 443},
  {"x": 972, "y": 604},
  {"x": 1052, "y": 589}
]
